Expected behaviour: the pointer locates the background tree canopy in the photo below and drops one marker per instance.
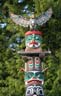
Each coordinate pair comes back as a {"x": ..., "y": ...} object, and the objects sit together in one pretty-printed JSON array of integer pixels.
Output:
[{"x": 12, "y": 40}]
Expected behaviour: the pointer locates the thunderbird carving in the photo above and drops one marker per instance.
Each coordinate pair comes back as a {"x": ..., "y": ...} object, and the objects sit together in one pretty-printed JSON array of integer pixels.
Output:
[{"x": 40, "y": 20}]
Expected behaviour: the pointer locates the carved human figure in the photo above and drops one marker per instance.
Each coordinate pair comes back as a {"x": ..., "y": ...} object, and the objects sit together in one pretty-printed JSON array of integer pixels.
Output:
[{"x": 33, "y": 39}]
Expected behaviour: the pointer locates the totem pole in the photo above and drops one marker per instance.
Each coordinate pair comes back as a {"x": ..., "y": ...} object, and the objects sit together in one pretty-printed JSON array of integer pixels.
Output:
[
  {"x": 34, "y": 77},
  {"x": 34, "y": 72}
]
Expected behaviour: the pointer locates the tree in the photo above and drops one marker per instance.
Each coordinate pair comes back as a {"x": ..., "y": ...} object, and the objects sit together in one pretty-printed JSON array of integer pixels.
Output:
[{"x": 12, "y": 40}]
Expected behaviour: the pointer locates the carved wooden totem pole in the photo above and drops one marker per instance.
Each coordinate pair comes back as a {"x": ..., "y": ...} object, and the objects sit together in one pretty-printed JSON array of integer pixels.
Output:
[
  {"x": 34, "y": 72},
  {"x": 34, "y": 77}
]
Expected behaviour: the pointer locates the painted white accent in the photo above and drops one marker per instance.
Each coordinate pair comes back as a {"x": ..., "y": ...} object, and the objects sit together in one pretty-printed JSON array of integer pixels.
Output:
[
  {"x": 32, "y": 45},
  {"x": 40, "y": 20}
]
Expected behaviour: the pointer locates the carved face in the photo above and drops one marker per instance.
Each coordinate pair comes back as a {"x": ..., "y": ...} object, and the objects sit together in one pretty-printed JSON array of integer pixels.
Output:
[
  {"x": 33, "y": 64},
  {"x": 35, "y": 76},
  {"x": 34, "y": 91},
  {"x": 33, "y": 41}
]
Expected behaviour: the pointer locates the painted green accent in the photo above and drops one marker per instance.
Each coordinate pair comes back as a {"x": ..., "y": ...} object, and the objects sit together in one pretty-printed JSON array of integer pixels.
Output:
[
  {"x": 33, "y": 37},
  {"x": 37, "y": 64},
  {"x": 30, "y": 64},
  {"x": 36, "y": 75}
]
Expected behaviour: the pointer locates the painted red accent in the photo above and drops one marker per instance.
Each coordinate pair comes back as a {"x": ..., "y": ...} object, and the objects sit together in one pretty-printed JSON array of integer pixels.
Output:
[
  {"x": 31, "y": 82},
  {"x": 30, "y": 62},
  {"x": 33, "y": 32},
  {"x": 33, "y": 42},
  {"x": 35, "y": 81},
  {"x": 37, "y": 62}
]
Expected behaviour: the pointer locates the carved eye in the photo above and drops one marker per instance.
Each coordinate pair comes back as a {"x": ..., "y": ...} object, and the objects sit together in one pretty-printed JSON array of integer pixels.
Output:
[
  {"x": 29, "y": 37},
  {"x": 37, "y": 37},
  {"x": 29, "y": 76},
  {"x": 38, "y": 74},
  {"x": 37, "y": 58},
  {"x": 29, "y": 58}
]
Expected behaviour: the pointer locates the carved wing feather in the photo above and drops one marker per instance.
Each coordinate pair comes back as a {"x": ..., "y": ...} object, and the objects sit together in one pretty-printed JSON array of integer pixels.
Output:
[
  {"x": 19, "y": 20},
  {"x": 44, "y": 17}
]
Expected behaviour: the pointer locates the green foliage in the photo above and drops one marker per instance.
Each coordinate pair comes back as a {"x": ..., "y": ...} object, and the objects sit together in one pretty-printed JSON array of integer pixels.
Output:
[{"x": 11, "y": 79}]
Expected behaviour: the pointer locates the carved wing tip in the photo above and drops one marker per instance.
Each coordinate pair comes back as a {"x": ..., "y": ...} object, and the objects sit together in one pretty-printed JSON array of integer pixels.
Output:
[
  {"x": 44, "y": 17},
  {"x": 20, "y": 20}
]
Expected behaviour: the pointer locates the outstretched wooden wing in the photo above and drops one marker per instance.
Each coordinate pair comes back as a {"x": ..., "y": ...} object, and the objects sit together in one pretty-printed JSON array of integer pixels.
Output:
[
  {"x": 44, "y": 17},
  {"x": 20, "y": 20},
  {"x": 40, "y": 20}
]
